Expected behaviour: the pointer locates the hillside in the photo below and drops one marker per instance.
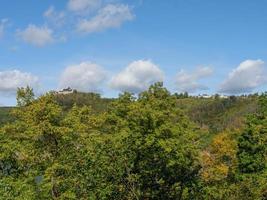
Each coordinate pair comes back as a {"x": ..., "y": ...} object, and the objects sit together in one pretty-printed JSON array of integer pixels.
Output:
[
  {"x": 214, "y": 114},
  {"x": 67, "y": 101},
  {"x": 218, "y": 114},
  {"x": 5, "y": 115},
  {"x": 95, "y": 101}
]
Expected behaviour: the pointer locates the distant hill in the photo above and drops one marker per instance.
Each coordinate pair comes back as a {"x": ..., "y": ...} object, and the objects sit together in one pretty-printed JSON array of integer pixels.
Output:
[
  {"x": 215, "y": 114},
  {"x": 5, "y": 115},
  {"x": 95, "y": 101},
  {"x": 219, "y": 114}
]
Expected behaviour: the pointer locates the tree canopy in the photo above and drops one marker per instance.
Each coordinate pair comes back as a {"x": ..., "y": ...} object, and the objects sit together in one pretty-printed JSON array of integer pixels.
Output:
[{"x": 144, "y": 147}]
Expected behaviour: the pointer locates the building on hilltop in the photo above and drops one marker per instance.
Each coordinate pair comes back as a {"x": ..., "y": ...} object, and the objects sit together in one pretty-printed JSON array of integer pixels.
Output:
[
  {"x": 223, "y": 96},
  {"x": 206, "y": 96},
  {"x": 66, "y": 91}
]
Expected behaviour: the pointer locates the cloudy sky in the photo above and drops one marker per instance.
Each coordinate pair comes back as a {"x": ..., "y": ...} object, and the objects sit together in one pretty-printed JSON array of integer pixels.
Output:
[{"x": 111, "y": 46}]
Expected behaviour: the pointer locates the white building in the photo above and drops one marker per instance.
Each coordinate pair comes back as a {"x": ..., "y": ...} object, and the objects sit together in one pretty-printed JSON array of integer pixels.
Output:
[{"x": 66, "y": 91}]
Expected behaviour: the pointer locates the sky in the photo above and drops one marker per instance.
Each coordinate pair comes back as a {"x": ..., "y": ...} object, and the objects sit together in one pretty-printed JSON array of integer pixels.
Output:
[{"x": 112, "y": 46}]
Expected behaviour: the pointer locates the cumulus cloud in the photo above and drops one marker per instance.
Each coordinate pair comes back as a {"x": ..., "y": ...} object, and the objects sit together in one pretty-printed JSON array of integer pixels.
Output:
[
  {"x": 11, "y": 80},
  {"x": 137, "y": 77},
  {"x": 83, "y": 5},
  {"x": 249, "y": 75},
  {"x": 189, "y": 82},
  {"x": 3, "y": 23},
  {"x": 86, "y": 77},
  {"x": 55, "y": 17},
  {"x": 110, "y": 16},
  {"x": 37, "y": 36}
]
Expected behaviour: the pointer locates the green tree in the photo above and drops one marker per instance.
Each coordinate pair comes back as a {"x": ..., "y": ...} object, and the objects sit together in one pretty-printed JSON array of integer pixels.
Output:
[
  {"x": 252, "y": 144},
  {"x": 24, "y": 96},
  {"x": 161, "y": 144},
  {"x": 252, "y": 154},
  {"x": 32, "y": 150}
]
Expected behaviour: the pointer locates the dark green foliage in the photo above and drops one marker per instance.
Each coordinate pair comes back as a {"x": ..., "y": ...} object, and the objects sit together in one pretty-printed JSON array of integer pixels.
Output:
[
  {"x": 5, "y": 115},
  {"x": 163, "y": 145},
  {"x": 252, "y": 143},
  {"x": 183, "y": 95},
  {"x": 220, "y": 114},
  {"x": 93, "y": 100}
]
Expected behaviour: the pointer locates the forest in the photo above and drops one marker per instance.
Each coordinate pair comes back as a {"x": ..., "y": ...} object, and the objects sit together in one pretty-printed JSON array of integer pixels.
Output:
[{"x": 152, "y": 146}]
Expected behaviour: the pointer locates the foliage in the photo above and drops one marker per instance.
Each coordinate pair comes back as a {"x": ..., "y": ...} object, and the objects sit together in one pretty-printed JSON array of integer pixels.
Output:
[
  {"x": 219, "y": 160},
  {"x": 162, "y": 142},
  {"x": 67, "y": 101},
  {"x": 5, "y": 115},
  {"x": 24, "y": 96},
  {"x": 220, "y": 114},
  {"x": 252, "y": 143},
  {"x": 145, "y": 147}
]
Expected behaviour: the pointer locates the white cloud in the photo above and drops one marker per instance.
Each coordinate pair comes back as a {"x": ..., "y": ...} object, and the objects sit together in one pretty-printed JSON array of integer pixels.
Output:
[
  {"x": 37, "y": 36},
  {"x": 111, "y": 16},
  {"x": 11, "y": 80},
  {"x": 189, "y": 82},
  {"x": 137, "y": 77},
  {"x": 249, "y": 75},
  {"x": 86, "y": 77},
  {"x": 83, "y": 5},
  {"x": 3, "y": 23},
  {"x": 57, "y": 18}
]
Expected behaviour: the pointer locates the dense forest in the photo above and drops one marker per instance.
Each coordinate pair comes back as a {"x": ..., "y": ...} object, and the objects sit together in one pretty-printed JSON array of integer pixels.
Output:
[{"x": 156, "y": 145}]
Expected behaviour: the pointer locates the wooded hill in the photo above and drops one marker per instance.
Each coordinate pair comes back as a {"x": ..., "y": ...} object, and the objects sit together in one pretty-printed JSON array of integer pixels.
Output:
[
  {"x": 155, "y": 146},
  {"x": 216, "y": 114},
  {"x": 5, "y": 115}
]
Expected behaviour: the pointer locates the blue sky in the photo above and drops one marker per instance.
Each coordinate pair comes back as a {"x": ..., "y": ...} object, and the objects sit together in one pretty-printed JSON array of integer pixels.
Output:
[{"x": 109, "y": 46}]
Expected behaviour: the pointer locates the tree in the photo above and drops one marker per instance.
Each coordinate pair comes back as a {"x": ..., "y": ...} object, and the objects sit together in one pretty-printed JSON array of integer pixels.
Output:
[
  {"x": 24, "y": 96},
  {"x": 33, "y": 151},
  {"x": 219, "y": 160},
  {"x": 160, "y": 144},
  {"x": 252, "y": 144},
  {"x": 252, "y": 154}
]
